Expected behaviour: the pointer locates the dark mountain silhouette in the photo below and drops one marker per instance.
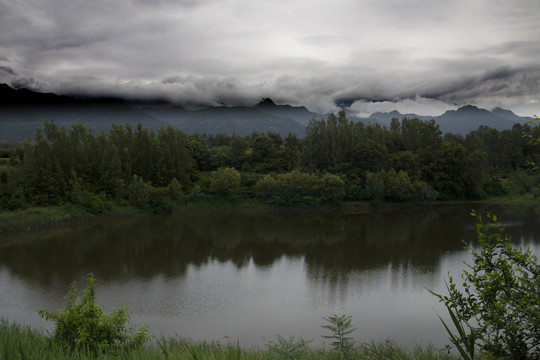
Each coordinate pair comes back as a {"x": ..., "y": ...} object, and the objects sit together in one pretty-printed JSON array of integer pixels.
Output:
[
  {"x": 23, "y": 111},
  {"x": 237, "y": 120},
  {"x": 9, "y": 96},
  {"x": 297, "y": 113},
  {"x": 21, "y": 120},
  {"x": 469, "y": 118},
  {"x": 386, "y": 118},
  {"x": 461, "y": 121},
  {"x": 506, "y": 114}
]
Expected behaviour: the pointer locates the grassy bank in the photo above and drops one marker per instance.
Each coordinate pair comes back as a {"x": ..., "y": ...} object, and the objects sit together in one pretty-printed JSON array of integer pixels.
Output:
[
  {"x": 55, "y": 216},
  {"x": 22, "y": 342},
  {"x": 36, "y": 218}
]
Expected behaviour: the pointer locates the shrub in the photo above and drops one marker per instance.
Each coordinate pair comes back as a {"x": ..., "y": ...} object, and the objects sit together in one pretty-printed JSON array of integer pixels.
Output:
[
  {"x": 93, "y": 203},
  {"x": 84, "y": 325},
  {"x": 11, "y": 197},
  {"x": 139, "y": 191},
  {"x": 396, "y": 186},
  {"x": 174, "y": 189},
  {"x": 499, "y": 301},
  {"x": 225, "y": 181},
  {"x": 266, "y": 185},
  {"x": 296, "y": 188},
  {"x": 288, "y": 349}
]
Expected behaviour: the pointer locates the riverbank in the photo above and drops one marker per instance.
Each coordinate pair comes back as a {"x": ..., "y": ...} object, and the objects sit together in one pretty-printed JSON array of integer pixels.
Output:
[
  {"x": 50, "y": 217},
  {"x": 22, "y": 342}
]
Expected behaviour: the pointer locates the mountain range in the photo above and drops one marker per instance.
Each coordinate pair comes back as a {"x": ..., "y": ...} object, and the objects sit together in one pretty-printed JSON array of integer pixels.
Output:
[{"x": 23, "y": 111}]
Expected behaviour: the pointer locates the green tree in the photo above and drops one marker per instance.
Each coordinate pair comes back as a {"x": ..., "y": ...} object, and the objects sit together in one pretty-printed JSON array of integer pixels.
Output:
[
  {"x": 329, "y": 143},
  {"x": 173, "y": 160}
]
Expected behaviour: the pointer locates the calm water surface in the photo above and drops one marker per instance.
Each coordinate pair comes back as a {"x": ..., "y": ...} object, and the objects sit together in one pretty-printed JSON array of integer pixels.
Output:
[{"x": 250, "y": 274}]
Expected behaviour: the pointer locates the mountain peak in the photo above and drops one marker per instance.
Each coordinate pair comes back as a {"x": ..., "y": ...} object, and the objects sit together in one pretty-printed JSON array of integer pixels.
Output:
[
  {"x": 266, "y": 102},
  {"x": 468, "y": 108}
]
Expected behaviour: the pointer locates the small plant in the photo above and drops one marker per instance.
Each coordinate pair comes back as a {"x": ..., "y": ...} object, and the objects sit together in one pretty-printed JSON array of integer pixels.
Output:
[
  {"x": 465, "y": 343},
  {"x": 83, "y": 324},
  {"x": 340, "y": 326},
  {"x": 288, "y": 349}
]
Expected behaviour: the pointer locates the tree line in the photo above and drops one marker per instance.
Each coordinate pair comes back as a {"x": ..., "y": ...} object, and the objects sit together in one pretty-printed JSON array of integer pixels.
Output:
[{"x": 337, "y": 160}]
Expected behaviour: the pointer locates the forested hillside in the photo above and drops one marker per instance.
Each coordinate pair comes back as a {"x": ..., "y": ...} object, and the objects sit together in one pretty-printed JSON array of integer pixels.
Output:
[{"x": 338, "y": 159}]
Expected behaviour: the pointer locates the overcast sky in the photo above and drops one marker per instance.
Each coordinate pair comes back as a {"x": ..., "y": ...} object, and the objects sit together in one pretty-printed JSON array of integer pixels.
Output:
[{"x": 423, "y": 56}]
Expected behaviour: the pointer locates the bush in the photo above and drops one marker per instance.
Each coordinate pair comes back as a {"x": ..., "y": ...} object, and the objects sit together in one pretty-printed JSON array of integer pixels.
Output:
[
  {"x": 93, "y": 203},
  {"x": 225, "y": 181},
  {"x": 396, "y": 187},
  {"x": 174, "y": 189},
  {"x": 11, "y": 197},
  {"x": 499, "y": 301},
  {"x": 285, "y": 349},
  {"x": 296, "y": 188},
  {"x": 84, "y": 325},
  {"x": 139, "y": 192}
]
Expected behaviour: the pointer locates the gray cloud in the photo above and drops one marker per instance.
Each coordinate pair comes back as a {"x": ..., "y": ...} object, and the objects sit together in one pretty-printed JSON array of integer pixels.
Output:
[
  {"x": 27, "y": 83},
  {"x": 302, "y": 52},
  {"x": 6, "y": 70}
]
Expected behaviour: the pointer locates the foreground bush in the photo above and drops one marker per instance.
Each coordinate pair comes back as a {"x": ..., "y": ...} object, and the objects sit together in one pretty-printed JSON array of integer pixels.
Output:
[
  {"x": 84, "y": 325},
  {"x": 497, "y": 307}
]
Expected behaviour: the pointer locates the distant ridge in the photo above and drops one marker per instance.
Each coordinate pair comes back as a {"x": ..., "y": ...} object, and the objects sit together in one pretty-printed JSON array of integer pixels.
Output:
[
  {"x": 10, "y": 96},
  {"x": 461, "y": 121},
  {"x": 23, "y": 111}
]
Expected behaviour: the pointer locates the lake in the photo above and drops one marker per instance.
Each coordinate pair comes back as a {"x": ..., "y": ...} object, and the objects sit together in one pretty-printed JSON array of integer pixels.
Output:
[{"x": 253, "y": 274}]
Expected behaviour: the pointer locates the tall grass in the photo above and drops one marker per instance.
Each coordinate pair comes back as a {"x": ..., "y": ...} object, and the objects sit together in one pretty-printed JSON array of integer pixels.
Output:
[{"x": 22, "y": 342}]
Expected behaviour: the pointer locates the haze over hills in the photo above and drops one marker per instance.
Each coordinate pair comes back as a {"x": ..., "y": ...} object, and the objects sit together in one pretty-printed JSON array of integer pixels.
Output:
[
  {"x": 461, "y": 121},
  {"x": 23, "y": 111}
]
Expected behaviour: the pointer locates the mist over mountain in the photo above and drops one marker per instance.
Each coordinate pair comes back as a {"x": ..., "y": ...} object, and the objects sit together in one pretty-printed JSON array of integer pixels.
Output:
[
  {"x": 461, "y": 121},
  {"x": 23, "y": 111}
]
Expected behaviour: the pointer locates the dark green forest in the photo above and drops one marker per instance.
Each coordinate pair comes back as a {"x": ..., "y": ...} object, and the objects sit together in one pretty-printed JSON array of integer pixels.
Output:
[{"x": 338, "y": 160}]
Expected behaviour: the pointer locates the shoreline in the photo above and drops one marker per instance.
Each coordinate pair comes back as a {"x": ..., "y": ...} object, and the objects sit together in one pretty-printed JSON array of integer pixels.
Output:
[{"x": 37, "y": 219}]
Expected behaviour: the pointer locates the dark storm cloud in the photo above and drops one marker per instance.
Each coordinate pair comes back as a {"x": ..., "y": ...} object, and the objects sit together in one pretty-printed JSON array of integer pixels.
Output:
[
  {"x": 501, "y": 82},
  {"x": 6, "y": 70},
  {"x": 27, "y": 83},
  {"x": 304, "y": 52}
]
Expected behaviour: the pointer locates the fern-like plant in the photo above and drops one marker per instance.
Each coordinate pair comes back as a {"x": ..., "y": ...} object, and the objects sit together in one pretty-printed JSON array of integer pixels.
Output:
[{"x": 340, "y": 326}]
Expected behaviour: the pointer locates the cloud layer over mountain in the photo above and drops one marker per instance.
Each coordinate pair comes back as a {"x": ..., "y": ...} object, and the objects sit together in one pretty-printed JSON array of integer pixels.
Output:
[{"x": 370, "y": 55}]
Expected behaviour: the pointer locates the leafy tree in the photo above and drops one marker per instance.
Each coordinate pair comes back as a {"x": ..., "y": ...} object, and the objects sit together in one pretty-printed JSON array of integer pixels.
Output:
[
  {"x": 499, "y": 299},
  {"x": 329, "y": 143},
  {"x": 172, "y": 157}
]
